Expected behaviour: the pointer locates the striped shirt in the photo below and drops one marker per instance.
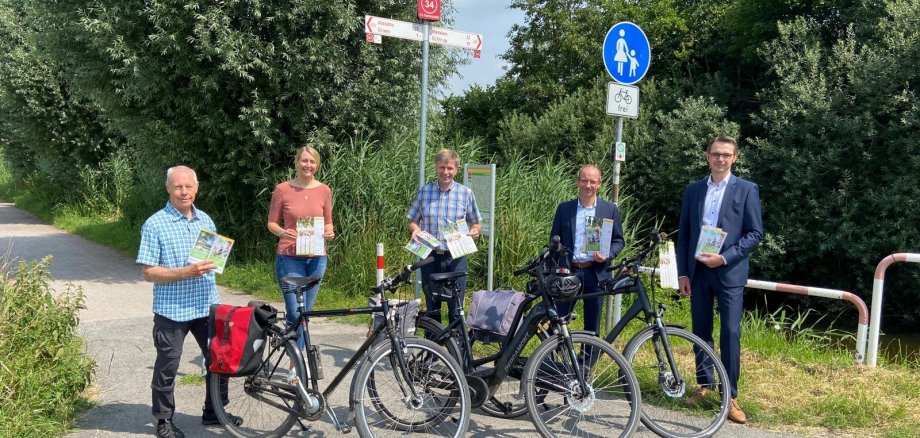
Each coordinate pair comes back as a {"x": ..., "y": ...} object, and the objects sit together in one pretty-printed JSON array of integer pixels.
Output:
[
  {"x": 166, "y": 239},
  {"x": 433, "y": 207}
]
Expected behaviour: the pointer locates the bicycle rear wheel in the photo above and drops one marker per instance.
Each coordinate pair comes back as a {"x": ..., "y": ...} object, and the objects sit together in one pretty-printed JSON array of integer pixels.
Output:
[
  {"x": 258, "y": 399},
  {"x": 669, "y": 407},
  {"x": 506, "y": 400},
  {"x": 382, "y": 408},
  {"x": 557, "y": 404}
]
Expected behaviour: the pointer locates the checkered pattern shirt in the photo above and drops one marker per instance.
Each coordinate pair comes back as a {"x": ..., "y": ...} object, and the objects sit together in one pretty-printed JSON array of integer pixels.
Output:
[
  {"x": 432, "y": 206},
  {"x": 166, "y": 239}
]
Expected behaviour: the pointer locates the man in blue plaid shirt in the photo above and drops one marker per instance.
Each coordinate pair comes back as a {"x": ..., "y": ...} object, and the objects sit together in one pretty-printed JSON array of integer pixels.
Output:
[
  {"x": 182, "y": 293},
  {"x": 437, "y": 203}
]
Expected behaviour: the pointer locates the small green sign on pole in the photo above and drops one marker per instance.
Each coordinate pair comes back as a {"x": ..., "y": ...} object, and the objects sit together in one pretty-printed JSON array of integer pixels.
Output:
[{"x": 620, "y": 152}]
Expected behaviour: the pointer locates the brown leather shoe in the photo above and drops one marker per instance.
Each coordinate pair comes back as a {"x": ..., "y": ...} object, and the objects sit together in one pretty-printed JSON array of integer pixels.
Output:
[
  {"x": 700, "y": 394},
  {"x": 735, "y": 413}
]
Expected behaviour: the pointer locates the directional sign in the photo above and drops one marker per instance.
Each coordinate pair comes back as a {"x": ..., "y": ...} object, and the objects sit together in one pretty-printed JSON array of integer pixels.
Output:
[
  {"x": 456, "y": 38},
  {"x": 429, "y": 10},
  {"x": 376, "y": 26},
  {"x": 627, "y": 53},
  {"x": 622, "y": 100}
]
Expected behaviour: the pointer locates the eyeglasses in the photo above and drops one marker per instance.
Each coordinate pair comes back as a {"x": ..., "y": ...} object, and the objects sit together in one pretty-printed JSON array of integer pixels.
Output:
[
  {"x": 717, "y": 155},
  {"x": 589, "y": 181}
]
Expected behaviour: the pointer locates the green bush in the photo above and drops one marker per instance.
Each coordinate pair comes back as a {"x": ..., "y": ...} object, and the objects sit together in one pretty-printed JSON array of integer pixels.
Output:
[{"x": 43, "y": 369}]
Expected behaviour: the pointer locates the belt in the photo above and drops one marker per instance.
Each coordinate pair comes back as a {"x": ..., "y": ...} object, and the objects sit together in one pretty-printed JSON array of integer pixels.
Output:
[{"x": 582, "y": 265}]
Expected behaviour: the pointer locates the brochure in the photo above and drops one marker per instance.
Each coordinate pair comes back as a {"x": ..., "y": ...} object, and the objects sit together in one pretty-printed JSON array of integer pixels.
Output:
[
  {"x": 667, "y": 266},
  {"x": 422, "y": 244},
  {"x": 310, "y": 240},
  {"x": 711, "y": 240},
  {"x": 457, "y": 235},
  {"x": 211, "y": 246},
  {"x": 598, "y": 233}
]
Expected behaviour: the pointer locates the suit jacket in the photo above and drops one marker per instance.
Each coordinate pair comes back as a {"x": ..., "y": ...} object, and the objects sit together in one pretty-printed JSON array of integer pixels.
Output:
[
  {"x": 739, "y": 216},
  {"x": 564, "y": 227}
]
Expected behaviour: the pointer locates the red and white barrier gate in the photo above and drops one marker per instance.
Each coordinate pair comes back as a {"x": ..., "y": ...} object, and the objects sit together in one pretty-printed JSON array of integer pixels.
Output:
[{"x": 877, "y": 290}]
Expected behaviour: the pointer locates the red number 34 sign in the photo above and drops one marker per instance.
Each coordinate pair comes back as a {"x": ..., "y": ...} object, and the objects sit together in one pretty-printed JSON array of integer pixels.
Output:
[{"x": 429, "y": 10}]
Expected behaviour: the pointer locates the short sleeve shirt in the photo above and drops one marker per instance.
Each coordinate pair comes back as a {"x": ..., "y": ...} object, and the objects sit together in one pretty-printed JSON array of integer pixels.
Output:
[
  {"x": 166, "y": 239},
  {"x": 433, "y": 206},
  {"x": 290, "y": 203}
]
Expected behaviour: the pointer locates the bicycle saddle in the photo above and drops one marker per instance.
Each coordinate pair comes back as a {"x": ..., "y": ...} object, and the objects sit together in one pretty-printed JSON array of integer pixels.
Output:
[
  {"x": 444, "y": 276},
  {"x": 303, "y": 282}
]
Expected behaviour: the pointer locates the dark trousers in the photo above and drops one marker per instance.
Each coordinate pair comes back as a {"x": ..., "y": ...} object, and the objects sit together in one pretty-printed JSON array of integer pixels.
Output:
[
  {"x": 168, "y": 337},
  {"x": 592, "y": 306},
  {"x": 442, "y": 263},
  {"x": 705, "y": 289}
]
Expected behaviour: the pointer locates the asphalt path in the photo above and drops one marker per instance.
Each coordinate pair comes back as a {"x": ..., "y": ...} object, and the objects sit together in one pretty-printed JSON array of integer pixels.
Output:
[{"x": 117, "y": 323}]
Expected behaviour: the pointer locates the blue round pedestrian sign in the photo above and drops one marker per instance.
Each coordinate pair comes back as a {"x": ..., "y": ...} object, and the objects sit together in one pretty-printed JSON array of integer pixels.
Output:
[{"x": 627, "y": 53}]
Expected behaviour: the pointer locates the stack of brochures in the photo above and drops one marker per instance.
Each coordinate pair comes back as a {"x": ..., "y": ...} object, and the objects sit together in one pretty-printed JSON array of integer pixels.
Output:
[
  {"x": 310, "y": 240},
  {"x": 422, "y": 244},
  {"x": 711, "y": 240},
  {"x": 457, "y": 235},
  {"x": 211, "y": 246}
]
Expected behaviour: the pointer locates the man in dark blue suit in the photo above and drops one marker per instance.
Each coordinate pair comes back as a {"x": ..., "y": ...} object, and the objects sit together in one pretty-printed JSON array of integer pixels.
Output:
[
  {"x": 731, "y": 204},
  {"x": 575, "y": 224}
]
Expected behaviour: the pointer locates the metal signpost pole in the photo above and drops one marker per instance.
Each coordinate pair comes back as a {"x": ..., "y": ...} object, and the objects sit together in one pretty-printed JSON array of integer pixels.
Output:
[
  {"x": 627, "y": 55},
  {"x": 614, "y": 308},
  {"x": 426, "y": 29}
]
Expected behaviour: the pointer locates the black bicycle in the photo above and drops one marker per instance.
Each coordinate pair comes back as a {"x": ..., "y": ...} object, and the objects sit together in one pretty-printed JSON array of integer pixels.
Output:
[
  {"x": 664, "y": 358},
  {"x": 572, "y": 384},
  {"x": 402, "y": 385}
]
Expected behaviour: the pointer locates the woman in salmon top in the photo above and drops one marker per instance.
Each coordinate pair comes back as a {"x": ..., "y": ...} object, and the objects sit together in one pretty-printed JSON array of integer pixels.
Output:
[{"x": 309, "y": 200}]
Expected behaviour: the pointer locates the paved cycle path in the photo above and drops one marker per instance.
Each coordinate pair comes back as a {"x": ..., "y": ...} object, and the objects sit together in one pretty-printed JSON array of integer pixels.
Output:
[{"x": 117, "y": 324}]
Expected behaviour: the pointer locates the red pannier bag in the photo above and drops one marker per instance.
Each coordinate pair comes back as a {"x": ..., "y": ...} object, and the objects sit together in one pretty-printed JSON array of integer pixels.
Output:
[{"x": 236, "y": 337}]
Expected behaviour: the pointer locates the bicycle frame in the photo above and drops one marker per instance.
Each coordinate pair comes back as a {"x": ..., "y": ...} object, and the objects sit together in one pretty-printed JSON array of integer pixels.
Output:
[{"x": 512, "y": 346}]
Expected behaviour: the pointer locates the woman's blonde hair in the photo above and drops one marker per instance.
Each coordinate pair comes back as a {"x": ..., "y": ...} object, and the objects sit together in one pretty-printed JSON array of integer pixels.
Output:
[{"x": 308, "y": 148}]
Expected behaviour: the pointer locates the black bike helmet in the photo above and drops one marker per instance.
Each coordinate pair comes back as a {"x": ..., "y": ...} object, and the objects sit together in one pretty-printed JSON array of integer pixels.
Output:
[{"x": 563, "y": 286}]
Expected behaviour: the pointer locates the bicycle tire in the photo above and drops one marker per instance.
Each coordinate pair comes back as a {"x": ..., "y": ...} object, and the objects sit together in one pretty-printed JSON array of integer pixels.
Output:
[
  {"x": 555, "y": 401},
  {"x": 509, "y": 392},
  {"x": 428, "y": 328},
  {"x": 668, "y": 407},
  {"x": 443, "y": 408},
  {"x": 248, "y": 396}
]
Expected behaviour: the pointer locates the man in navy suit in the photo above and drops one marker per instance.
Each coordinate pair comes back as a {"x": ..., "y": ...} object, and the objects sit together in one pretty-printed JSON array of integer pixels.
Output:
[
  {"x": 573, "y": 224},
  {"x": 732, "y": 204}
]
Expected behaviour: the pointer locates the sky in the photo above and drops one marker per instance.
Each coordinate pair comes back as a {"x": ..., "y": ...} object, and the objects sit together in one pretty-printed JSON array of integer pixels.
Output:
[{"x": 492, "y": 19}]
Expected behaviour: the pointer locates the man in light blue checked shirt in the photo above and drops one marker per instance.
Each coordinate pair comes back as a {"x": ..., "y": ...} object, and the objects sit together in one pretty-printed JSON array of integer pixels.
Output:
[
  {"x": 182, "y": 293},
  {"x": 436, "y": 203}
]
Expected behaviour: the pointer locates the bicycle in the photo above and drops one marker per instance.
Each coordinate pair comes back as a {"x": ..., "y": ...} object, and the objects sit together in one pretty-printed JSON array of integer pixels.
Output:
[
  {"x": 662, "y": 356},
  {"x": 622, "y": 95},
  {"x": 403, "y": 385},
  {"x": 572, "y": 380}
]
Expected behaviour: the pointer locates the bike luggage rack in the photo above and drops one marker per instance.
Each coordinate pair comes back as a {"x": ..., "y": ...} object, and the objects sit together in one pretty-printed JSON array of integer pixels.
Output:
[{"x": 860, "y": 305}]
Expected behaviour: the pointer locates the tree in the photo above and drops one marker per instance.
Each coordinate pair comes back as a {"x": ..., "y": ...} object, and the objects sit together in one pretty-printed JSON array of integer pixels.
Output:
[
  {"x": 231, "y": 88},
  {"x": 838, "y": 159}
]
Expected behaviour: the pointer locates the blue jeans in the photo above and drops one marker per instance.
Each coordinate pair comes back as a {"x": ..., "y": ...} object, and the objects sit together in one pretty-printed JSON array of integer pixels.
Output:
[{"x": 293, "y": 266}]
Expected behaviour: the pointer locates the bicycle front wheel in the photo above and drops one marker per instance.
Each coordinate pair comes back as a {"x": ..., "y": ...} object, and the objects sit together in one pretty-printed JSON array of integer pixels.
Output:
[
  {"x": 384, "y": 404},
  {"x": 671, "y": 407},
  {"x": 265, "y": 401},
  {"x": 557, "y": 403}
]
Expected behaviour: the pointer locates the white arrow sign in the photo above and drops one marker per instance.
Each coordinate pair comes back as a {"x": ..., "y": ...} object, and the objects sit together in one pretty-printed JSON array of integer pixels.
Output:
[
  {"x": 392, "y": 28},
  {"x": 456, "y": 38},
  {"x": 375, "y": 27}
]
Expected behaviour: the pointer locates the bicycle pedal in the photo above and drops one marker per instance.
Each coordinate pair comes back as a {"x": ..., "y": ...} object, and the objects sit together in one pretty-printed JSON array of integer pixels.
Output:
[{"x": 346, "y": 428}]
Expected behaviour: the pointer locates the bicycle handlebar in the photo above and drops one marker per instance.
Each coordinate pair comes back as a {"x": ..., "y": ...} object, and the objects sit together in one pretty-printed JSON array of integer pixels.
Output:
[
  {"x": 654, "y": 238},
  {"x": 554, "y": 246},
  {"x": 391, "y": 283}
]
